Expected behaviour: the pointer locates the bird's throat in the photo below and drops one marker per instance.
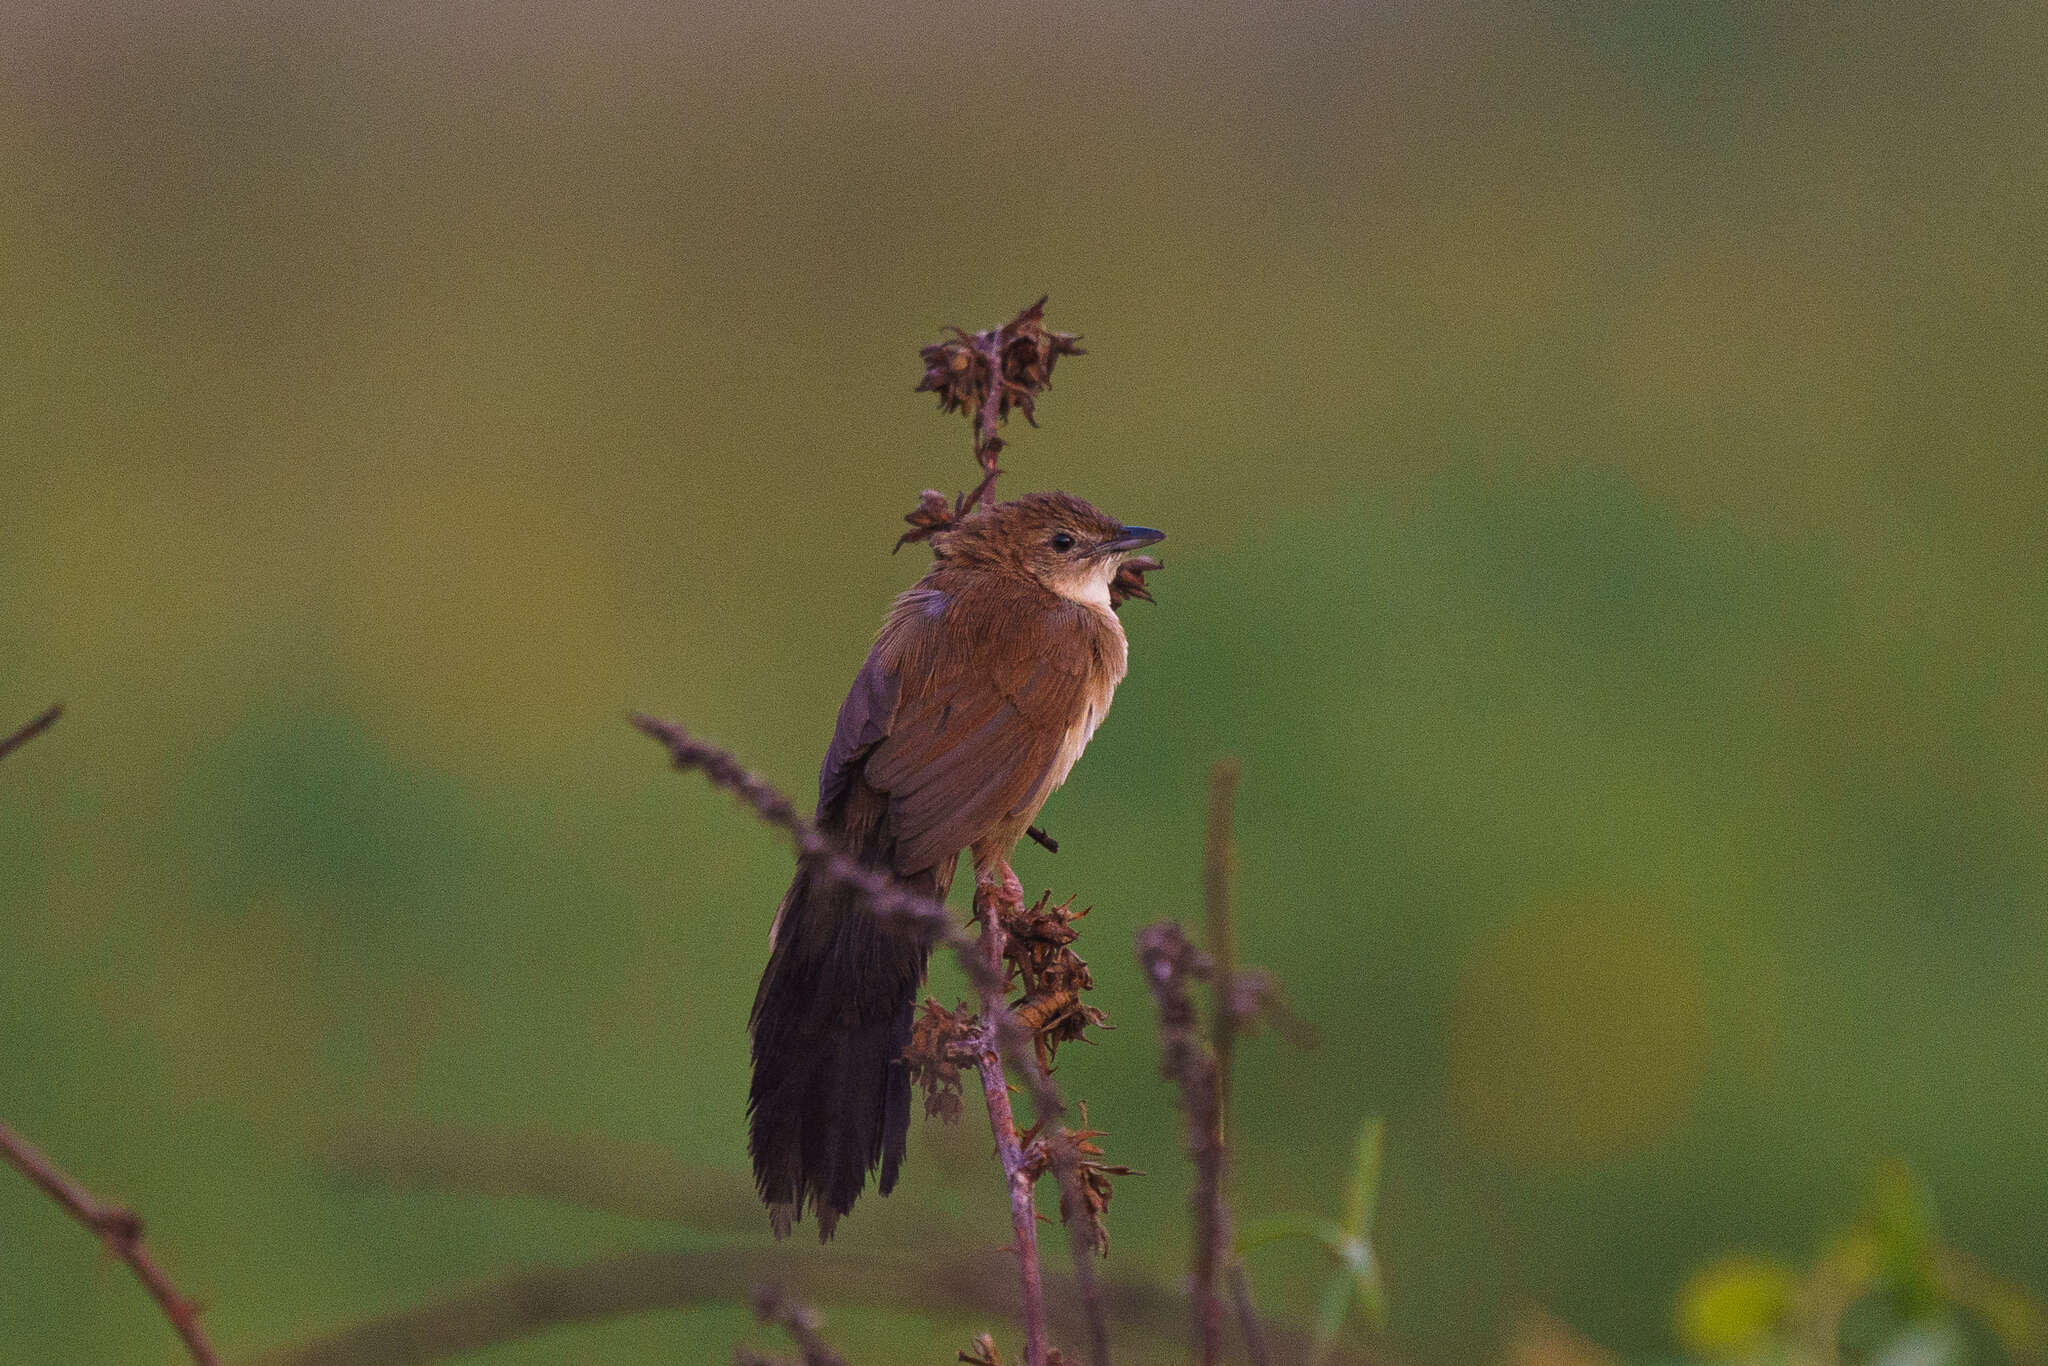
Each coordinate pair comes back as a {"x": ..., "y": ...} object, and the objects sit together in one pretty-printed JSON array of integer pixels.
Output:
[{"x": 1088, "y": 582}]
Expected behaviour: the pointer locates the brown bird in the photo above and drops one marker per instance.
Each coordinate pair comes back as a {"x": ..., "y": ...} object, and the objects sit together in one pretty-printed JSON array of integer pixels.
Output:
[{"x": 986, "y": 683}]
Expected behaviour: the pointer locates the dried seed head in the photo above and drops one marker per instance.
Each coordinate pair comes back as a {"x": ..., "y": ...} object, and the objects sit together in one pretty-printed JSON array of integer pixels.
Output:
[
  {"x": 939, "y": 1043},
  {"x": 1007, "y": 366},
  {"x": 1130, "y": 579}
]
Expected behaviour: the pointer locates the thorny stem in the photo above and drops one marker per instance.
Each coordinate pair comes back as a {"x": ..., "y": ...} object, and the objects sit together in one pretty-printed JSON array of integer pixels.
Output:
[
  {"x": 1169, "y": 960},
  {"x": 891, "y": 901},
  {"x": 983, "y": 491},
  {"x": 119, "y": 1229},
  {"x": 1219, "y": 860},
  {"x": 1049, "y": 1111},
  {"x": 1014, "y": 1040},
  {"x": 995, "y": 1089},
  {"x": 991, "y": 407},
  {"x": 1219, "y": 867},
  {"x": 988, "y": 446},
  {"x": 887, "y": 898}
]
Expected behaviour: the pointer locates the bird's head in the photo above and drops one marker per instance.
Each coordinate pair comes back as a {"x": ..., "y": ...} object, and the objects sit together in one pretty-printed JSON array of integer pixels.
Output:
[{"x": 1053, "y": 539}]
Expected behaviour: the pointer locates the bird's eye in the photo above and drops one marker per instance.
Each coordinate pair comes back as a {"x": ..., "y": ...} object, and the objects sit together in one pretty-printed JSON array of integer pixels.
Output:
[{"x": 1062, "y": 542}]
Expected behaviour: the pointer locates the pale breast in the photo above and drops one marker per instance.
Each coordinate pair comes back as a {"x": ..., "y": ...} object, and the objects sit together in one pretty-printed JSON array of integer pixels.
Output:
[
  {"x": 1076, "y": 740},
  {"x": 1113, "y": 654}
]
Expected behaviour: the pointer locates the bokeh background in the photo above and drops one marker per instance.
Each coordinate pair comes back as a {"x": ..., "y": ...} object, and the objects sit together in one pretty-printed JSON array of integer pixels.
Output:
[{"x": 1602, "y": 447}]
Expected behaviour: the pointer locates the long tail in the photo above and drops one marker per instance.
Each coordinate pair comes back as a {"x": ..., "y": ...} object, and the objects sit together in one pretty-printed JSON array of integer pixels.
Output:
[{"x": 831, "y": 1095}]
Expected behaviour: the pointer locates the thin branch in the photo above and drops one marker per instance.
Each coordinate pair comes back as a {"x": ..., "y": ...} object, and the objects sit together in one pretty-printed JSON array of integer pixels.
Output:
[
  {"x": 987, "y": 445},
  {"x": 119, "y": 1229},
  {"x": 1219, "y": 864},
  {"x": 892, "y": 902},
  {"x": 1219, "y": 868},
  {"x": 985, "y": 491},
  {"x": 526, "y": 1303},
  {"x": 632, "y": 1180},
  {"x": 31, "y": 730},
  {"x": 1169, "y": 961},
  {"x": 995, "y": 1090},
  {"x": 883, "y": 895},
  {"x": 798, "y": 1320},
  {"x": 635, "y": 1180},
  {"x": 1049, "y": 1112}
]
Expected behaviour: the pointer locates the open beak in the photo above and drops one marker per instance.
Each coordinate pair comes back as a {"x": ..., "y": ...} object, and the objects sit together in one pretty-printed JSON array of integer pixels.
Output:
[{"x": 1132, "y": 538}]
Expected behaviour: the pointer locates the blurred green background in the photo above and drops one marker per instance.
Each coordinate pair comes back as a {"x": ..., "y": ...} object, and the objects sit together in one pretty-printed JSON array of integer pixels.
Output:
[{"x": 1603, "y": 453}]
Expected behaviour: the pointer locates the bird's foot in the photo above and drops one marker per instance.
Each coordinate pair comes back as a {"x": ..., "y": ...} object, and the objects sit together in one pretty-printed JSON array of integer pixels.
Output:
[{"x": 998, "y": 887}]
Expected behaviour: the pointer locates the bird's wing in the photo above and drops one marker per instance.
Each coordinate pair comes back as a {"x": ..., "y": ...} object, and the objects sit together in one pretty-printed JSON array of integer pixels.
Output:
[
  {"x": 863, "y": 722},
  {"x": 970, "y": 747}
]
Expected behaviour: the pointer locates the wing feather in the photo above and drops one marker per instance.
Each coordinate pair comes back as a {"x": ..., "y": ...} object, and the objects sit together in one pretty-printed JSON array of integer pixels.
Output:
[
  {"x": 863, "y": 722},
  {"x": 966, "y": 750}
]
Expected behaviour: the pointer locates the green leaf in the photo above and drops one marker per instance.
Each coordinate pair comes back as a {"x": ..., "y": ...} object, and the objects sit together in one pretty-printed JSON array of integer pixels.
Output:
[
  {"x": 1732, "y": 1308},
  {"x": 1364, "y": 1196},
  {"x": 1901, "y": 1214},
  {"x": 1365, "y": 1273},
  {"x": 1274, "y": 1227},
  {"x": 1358, "y": 1269},
  {"x": 1336, "y": 1306},
  {"x": 1902, "y": 1220}
]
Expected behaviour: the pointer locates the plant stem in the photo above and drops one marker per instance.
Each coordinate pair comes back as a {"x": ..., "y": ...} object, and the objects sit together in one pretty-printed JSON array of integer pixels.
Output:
[
  {"x": 118, "y": 1228},
  {"x": 995, "y": 1089},
  {"x": 1219, "y": 865},
  {"x": 31, "y": 730},
  {"x": 1169, "y": 961}
]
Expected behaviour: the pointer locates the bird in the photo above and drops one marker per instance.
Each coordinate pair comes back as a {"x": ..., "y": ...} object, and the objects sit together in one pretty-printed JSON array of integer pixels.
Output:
[{"x": 987, "y": 680}]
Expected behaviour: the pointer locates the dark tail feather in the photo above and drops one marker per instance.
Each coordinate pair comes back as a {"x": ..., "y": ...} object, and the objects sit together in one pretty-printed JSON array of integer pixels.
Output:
[{"x": 831, "y": 1094}]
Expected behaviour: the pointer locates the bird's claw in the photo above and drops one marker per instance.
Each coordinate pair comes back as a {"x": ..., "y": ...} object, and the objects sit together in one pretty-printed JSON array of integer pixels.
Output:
[{"x": 998, "y": 887}]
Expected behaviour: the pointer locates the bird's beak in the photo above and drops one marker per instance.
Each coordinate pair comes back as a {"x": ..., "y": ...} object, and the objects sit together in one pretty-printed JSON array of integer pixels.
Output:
[{"x": 1132, "y": 538}]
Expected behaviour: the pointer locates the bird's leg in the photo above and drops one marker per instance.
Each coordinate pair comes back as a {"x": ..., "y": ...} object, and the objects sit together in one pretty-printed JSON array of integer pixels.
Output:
[
  {"x": 997, "y": 893},
  {"x": 995, "y": 885}
]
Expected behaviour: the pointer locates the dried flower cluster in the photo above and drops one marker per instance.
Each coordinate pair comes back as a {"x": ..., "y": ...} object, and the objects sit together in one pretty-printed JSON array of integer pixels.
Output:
[
  {"x": 1038, "y": 955},
  {"x": 935, "y": 512},
  {"x": 941, "y": 1043},
  {"x": 985, "y": 375},
  {"x": 1171, "y": 962},
  {"x": 1130, "y": 579},
  {"x": 1039, "y": 950},
  {"x": 1012, "y": 364},
  {"x": 1093, "y": 1190},
  {"x": 983, "y": 1352}
]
